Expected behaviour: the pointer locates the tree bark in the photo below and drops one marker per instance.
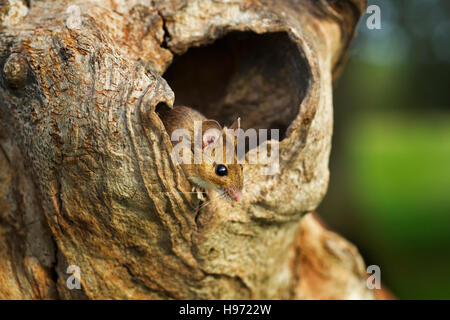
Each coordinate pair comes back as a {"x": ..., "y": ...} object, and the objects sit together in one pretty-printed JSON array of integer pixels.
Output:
[{"x": 86, "y": 175}]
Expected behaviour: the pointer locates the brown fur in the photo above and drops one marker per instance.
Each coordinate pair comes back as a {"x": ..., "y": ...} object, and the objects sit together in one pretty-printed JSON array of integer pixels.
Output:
[{"x": 203, "y": 174}]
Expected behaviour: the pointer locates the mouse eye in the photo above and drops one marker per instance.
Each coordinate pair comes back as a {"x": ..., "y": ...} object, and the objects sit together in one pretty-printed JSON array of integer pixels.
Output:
[{"x": 221, "y": 170}]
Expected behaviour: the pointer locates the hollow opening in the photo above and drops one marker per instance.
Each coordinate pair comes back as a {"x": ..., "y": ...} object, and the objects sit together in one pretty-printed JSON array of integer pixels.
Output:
[{"x": 260, "y": 78}]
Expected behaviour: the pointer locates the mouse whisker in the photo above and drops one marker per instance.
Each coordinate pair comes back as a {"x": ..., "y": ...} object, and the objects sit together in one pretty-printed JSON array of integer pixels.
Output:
[
  {"x": 178, "y": 192},
  {"x": 220, "y": 195}
]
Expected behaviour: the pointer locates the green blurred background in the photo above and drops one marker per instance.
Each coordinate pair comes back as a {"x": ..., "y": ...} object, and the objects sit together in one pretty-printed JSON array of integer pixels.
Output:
[{"x": 389, "y": 191}]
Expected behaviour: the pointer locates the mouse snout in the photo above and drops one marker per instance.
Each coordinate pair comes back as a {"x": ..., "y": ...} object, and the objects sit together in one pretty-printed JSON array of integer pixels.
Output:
[{"x": 234, "y": 193}]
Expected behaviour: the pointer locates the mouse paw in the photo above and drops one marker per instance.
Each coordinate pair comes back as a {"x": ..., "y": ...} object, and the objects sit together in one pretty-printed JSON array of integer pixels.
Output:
[{"x": 199, "y": 192}]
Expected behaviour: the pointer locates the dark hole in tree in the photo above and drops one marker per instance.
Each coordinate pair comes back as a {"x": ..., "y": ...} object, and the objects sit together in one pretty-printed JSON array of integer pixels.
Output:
[
  {"x": 161, "y": 108},
  {"x": 260, "y": 78}
]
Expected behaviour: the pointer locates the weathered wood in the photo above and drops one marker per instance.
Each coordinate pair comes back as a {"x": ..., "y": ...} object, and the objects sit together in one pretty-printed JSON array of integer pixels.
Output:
[{"x": 85, "y": 167}]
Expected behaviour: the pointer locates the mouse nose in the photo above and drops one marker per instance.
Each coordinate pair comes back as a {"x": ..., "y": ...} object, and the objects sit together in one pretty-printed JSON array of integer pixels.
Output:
[{"x": 237, "y": 196}]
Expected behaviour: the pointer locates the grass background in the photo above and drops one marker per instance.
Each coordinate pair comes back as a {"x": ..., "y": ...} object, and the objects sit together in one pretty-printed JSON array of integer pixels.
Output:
[{"x": 389, "y": 191}]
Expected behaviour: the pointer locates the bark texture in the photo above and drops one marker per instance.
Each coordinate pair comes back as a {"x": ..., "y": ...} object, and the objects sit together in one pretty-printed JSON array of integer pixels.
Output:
[{"x": 85, "y": 167}]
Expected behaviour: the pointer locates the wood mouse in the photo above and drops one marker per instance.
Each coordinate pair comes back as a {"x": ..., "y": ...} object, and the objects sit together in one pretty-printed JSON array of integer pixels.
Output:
[{"x": 210, "y": 174}]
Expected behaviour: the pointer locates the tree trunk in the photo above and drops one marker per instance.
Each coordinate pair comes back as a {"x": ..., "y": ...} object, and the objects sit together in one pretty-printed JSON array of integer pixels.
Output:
[{"x": 86, "y": 175}]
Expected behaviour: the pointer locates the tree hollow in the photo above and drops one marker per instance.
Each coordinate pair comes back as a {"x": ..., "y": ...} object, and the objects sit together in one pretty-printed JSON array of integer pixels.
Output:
[{"x": 261, "y": 78}]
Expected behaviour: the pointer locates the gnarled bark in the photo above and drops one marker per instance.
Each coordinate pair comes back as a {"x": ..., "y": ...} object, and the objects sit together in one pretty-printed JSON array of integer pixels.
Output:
[{"x": 87, "y": 177}]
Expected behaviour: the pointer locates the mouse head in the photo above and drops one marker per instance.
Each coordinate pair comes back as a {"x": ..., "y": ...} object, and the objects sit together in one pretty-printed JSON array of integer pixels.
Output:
[{"x": 215, "y": 172}]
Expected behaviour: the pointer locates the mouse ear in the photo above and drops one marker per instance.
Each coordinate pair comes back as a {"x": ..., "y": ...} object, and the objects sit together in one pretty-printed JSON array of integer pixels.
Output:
[
  {"x": 211, "y": 131},
  {"x": 236, "y": 124}
]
